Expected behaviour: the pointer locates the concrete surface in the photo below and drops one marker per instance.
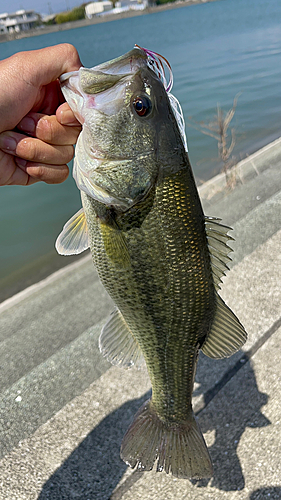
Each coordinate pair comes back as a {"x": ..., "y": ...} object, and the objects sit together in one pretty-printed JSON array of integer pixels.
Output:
[{"x": 64, "y": 410}]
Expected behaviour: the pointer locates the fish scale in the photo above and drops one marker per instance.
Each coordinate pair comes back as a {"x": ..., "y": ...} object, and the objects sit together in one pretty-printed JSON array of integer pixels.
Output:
[
  {"x": 175, "y": 296},
  {"x": 160, "y": 259},
  {"x": 189, "y": 293}
]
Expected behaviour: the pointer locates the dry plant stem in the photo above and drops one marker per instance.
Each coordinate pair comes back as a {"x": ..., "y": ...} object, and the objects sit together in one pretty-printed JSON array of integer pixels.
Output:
[{"x": 218, "y": 130}]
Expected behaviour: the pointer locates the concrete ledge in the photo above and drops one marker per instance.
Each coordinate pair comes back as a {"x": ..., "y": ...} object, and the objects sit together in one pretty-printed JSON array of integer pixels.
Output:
[{"x": 216, "y": 186}]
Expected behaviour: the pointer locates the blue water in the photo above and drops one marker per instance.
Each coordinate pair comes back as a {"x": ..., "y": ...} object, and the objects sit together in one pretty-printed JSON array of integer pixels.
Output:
[{"x": 216, "y": 50}]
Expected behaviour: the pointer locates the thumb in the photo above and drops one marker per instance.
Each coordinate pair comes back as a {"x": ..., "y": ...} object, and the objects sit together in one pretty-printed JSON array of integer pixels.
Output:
[
  {"x": 24, "y": 78},
  {"x": 52, "y": 62}
]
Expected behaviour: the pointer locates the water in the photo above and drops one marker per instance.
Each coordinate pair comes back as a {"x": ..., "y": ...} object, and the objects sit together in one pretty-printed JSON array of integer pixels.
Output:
[{"x": 216, "y": 50}]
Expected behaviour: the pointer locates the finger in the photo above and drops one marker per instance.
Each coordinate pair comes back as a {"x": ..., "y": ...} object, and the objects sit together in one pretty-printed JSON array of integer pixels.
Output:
[
  {"x": 58, "y": 59},
  {"x": 15, "y": 171},
  {"x": 24, "y": 175},
  {"x": 35, "y": 150},
  {"x": 51, "y": 174},
  {"x": 10, "y": 173},
  {"x": 48, "y": 129},
  {"x": 66, "y": 116},
  {"x": 51, "y": 98},
  {"x": 30, "y": 81}
]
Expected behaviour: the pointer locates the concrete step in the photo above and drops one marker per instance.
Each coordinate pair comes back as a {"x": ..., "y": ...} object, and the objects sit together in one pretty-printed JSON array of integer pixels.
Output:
[
  {"x": 47, "y": 338},
  {"x": 75, "y": 454}
]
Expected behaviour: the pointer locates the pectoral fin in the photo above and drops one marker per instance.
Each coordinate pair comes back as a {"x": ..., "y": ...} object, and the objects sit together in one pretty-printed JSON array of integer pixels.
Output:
[
  {"x": 74, "y": 237},
  {"x": 115, "y": 245},
  {"x": 227, "y": 335},
  {"x": 117, "y": 343}
]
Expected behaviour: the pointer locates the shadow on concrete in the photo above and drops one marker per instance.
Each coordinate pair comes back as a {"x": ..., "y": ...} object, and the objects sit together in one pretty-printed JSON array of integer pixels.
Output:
[
  {"x": 232, "y": 415},
  {"x": 271, "y": 492},
  {"x": 94, "y": 469}
]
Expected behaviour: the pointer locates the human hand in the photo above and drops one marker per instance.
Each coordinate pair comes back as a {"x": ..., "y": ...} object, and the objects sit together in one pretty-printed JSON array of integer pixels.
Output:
[{"x": 36, "y": 133}]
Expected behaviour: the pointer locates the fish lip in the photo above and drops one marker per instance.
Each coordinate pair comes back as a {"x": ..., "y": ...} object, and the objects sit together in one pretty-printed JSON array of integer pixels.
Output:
[
  {"x": 132, "y": 59},
  {"x": 115, "y": 66},
  {"x": 66, "y": 76}
]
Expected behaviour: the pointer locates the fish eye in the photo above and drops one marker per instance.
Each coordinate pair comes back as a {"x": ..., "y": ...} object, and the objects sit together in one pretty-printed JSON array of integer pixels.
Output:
[{"x": 142, "y": 105}]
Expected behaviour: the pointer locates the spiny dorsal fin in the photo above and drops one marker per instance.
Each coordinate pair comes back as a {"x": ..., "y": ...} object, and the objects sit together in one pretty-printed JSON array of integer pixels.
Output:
[
  {"x": 217, "y": 242},
  {"x": 74, "y": 237},
  {"x": 227, "y": 335},
  {"x": 117, "y": 343}
]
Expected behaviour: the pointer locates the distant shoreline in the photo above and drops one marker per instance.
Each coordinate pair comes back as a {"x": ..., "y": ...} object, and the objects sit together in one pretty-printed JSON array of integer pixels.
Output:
[{"x": 99, "y": 19}]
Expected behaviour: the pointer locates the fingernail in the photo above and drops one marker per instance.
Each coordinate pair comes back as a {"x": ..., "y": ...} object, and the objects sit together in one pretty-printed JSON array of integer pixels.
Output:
[
  {"x": 27, "y": 124},
  {"x": 8, "y": 143},
  {"x": 67, "y": 117}
]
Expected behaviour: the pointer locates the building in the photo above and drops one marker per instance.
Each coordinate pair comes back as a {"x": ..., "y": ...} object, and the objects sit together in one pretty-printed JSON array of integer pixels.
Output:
[
  {"x": 3, "y": 28},
  {"x": 18, "y": 21},
  {"x": 125, "y": 5},
  {"x": 94, "y": 8},
  {"x": 101, "y": 8}
]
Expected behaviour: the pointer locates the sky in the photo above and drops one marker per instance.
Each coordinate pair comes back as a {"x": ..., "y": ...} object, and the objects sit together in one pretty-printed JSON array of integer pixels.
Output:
[{"x": 41, "y": 6}]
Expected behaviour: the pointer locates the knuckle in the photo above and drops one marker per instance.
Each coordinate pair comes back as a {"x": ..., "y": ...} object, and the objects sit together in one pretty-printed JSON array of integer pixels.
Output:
[
  {"x": 27, "y": 149},
  {"x": 76, "y": 131},
  {"x": 63, "y": 174},
  {"x": 17, "y": 58},
  {"x": 71, "y": 51},
  {"x": 55, "y": 175},
  {"x": 39, "y": 172},
  {"x": 45, "y": 130},
  {"x": 69, "y": 153},
  {"x": 71, "y": 55}
]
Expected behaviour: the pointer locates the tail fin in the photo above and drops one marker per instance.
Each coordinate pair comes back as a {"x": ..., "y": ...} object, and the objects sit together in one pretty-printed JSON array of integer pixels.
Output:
[{"x": 179, "y": 447}]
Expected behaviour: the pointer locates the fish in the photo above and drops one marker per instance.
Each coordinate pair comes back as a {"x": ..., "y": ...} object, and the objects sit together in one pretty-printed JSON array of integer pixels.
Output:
[{"x": 158, "y": 256}]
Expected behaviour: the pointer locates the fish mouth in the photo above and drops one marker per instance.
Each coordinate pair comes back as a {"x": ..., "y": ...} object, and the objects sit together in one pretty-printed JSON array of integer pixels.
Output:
[
  {"x": 129, "y": 64},
  {"x": 95, "y": 96},
  {"x": 102, "y": 88},
  {"x": 106, "y": 75},
  {"x": 126, "y": 64}
]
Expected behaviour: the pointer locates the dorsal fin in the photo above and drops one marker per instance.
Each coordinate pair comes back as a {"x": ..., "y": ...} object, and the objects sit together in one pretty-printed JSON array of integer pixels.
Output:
[
  {"x": 218, "y": 237},
  {"x": 74, "y": 237},
  {"x": 227, "y": 335},
  {"x": 117, "y": 343}
]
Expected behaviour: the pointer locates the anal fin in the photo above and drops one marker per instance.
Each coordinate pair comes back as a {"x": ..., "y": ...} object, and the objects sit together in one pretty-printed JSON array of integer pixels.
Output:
[
  {"x": 227, "y": 334},
  {"x": 117, "y": 343}
]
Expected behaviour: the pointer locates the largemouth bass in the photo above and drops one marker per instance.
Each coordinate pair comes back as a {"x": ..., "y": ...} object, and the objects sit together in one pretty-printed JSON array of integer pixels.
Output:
[{"x": 160, "y": 259}]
